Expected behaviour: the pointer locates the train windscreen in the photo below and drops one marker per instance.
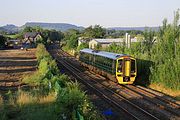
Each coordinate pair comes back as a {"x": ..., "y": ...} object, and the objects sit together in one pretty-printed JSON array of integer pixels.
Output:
[
  {"x": 120, "y": 66},
  {"x": 133, "y": 66}
]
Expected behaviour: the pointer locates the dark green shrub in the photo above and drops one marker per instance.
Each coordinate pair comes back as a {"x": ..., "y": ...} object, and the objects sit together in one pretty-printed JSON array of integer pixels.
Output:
[
  {"x": 69, "y": 100},
  {"x": 42, "y": 53}
]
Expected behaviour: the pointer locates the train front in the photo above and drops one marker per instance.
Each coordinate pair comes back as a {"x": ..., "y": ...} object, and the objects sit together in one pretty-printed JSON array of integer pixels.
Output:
[{"x": 126, "y": 70}]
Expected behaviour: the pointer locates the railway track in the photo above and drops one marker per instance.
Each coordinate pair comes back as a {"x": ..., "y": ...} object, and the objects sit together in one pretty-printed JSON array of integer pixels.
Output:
[
  {"x": 118, "y": 100},
  {"x": 165, "y": 104},
  {"x": 160, "y": 101},
  {"x": 152, "y": 93},
  {"x": 168, "y": 106}
]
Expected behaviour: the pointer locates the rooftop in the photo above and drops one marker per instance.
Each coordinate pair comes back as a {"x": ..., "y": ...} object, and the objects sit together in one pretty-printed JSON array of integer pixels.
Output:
[
  {"x": 110, "y": 55},
  {"x": 30, "y": 34},
  {"x": 109, "y": 40}
]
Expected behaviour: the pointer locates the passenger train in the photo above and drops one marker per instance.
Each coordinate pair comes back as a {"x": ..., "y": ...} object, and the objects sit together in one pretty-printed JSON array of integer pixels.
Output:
[{"x": 121, "y": 68}]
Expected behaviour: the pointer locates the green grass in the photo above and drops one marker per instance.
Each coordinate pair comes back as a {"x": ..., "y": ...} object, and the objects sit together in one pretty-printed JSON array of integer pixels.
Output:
[
  {"x": 177, "y": 98},
  {"x": 36, "y": 111},
  {"x": 27, "y": 106},
  {"x": 12, "y": 36}
]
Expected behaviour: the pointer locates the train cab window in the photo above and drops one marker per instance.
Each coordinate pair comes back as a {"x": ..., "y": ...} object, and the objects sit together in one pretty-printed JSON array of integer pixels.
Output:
[
  {"x": 120, "y": 66},
  {"x": 133, "y": 66}
]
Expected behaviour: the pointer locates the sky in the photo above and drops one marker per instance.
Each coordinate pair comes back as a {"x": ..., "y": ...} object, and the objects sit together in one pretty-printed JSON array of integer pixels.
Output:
[{"x": 107, "y": 13}]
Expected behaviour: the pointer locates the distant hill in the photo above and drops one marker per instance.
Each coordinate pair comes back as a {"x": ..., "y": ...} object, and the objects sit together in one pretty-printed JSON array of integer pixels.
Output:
[
  {"x": 134, "y": 28},
  {"x": 56, "y": 26},
  {"x": 2, "y": 29},
  {"x": 63, "y": 27},
  {"x": 9, "y": 28}
]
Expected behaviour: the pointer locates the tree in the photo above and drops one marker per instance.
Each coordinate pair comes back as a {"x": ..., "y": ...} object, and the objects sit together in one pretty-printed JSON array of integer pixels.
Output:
[
  {"x": 82, "y": 46},
  {"x": 94, "y": 32},
  {"x": 28, "y": 29},
  {"x": 73, "y": 41},
  {"x": 71, "y": 38},
  {"x": 55, "y": 35},
  {"x": 2, "y": 41},
  {"x": 166, "y": 55},
  {"x": 148, "y": 40}
]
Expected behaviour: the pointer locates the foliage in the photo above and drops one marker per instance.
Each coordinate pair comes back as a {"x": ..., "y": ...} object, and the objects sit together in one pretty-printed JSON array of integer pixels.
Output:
[
  {"x": 47, "y": 69},
  {"x": 121, "y": 33},
  {"x": 83, "y": 45},
  {"x": 42, "y": 53},
  {"x": 72, "y": 104},
  {"x": 24, "y": 104},
  {"x": 116, "y": 48},
  {"x": 166, "y": 55},
  {"x": 71, "y": 38},
  {"x": 2, "y": 41},
  {"x": 70, "y": 99},
  {"x": 148, "y": 41},
  {"x": 94, "y": 32},
  {"x": 55, "y": 36}
]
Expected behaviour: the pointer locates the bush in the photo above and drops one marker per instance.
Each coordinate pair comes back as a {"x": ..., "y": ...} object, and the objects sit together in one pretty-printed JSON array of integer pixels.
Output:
[
  {"x": 72, "y": 104},
  {"x": 42, "y": 53},
  {"x": 166, "y": 54},
  {"x": 47, "y": 69},
  {"x": 33, "y": 80}
]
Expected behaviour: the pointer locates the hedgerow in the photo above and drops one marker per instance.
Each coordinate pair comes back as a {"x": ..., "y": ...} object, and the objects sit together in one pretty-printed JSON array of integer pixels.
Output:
[
  {"x": 47, "y": 69},
  {"x": 71, "y": 102},
  {"x": 42, "y": 53}
]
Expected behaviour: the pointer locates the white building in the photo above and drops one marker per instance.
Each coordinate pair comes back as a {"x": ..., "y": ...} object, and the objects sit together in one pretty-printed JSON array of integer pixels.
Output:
[{"x": 104, "y": 42}]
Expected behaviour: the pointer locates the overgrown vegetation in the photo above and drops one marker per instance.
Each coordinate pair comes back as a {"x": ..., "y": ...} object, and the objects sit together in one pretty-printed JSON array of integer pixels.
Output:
[
  {"x": 53, "y": 96},
  {"x": 166, "y": 55},
  {"x": 47, "y": 69}
]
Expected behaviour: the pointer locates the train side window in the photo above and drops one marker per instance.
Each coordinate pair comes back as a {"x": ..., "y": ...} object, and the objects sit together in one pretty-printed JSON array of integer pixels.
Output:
[
  {"x": 133, "y": 66},
  {"x": 114, "y": 66},
  {"x": 120, "y": 66}
]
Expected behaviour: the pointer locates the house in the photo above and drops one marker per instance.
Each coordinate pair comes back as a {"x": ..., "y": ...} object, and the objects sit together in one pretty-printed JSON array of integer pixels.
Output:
[
  {"x": 30, "y": 39},
  {"x": 32, "y": 36},
  {"x": 104, "y": 42}
]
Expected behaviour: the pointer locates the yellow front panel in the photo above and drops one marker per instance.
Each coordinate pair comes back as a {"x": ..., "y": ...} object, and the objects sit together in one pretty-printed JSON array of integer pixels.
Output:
[
  {"x": 127, "y": 68},
  {"x": 126, "y": 72}
]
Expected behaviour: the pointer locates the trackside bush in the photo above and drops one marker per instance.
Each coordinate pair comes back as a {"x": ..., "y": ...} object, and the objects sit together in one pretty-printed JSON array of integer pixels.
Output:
[
  {"x": 71, "y": 103},
  {"x": 47, "y": 69},
  {"x": 166, "y": 55},
  {"x": 42, "y": 53}
]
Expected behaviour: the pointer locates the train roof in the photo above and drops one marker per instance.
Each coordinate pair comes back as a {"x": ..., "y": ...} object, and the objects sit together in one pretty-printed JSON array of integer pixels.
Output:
[{"x": 110, "y": 55}]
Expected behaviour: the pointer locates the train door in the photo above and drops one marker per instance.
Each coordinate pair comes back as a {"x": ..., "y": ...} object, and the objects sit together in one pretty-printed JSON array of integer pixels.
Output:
[
  {"x": 127, "y": 67},
  {"x": 123, "y": 72}
]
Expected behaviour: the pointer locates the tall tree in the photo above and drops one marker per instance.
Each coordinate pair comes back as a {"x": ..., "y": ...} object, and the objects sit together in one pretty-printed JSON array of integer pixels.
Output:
[
  {"x": 71, "y": 38},
  {"x": 2, "y": 41},
  {"x": 94, "y": 32},
  {"x": 166, "y": 55},
  {"x": 149, "y": 39}
]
